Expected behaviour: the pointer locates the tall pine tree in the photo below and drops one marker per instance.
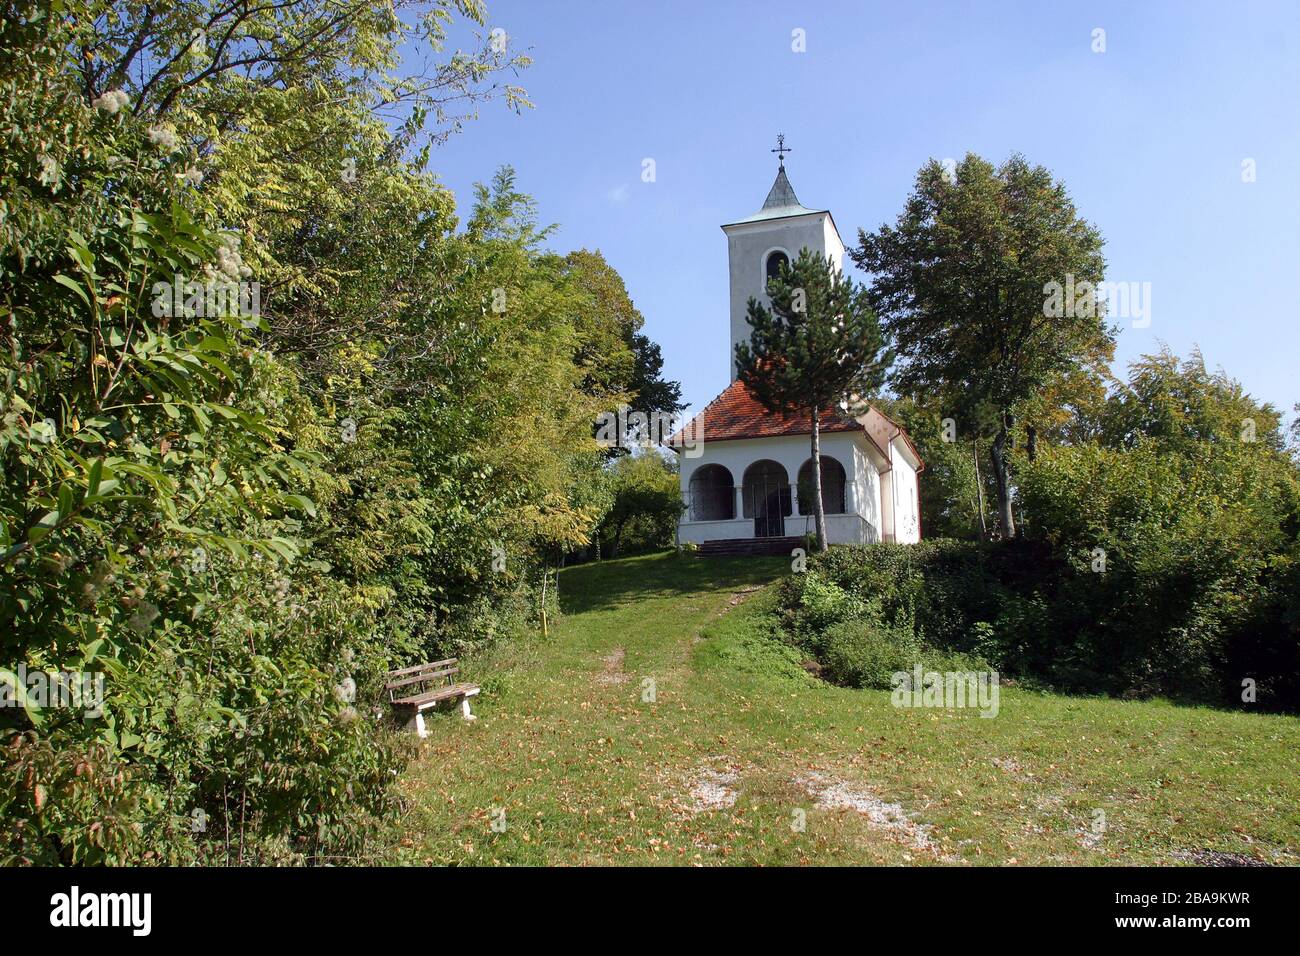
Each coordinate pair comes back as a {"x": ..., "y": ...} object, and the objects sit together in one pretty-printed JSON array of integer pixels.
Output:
[{"x": 818, "y": 343}]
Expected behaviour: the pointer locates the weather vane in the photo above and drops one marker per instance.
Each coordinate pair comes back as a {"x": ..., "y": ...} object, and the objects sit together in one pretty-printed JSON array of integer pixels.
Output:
[{"x": 781, "y": 149}]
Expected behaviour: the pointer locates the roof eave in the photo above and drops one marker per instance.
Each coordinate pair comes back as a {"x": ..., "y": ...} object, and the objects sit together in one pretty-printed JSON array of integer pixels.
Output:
[{"x": 756, "y": 218}]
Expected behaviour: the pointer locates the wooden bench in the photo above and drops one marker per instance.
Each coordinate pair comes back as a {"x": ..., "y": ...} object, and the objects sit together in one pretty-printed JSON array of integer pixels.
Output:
[{"x": 423, "y": 686}]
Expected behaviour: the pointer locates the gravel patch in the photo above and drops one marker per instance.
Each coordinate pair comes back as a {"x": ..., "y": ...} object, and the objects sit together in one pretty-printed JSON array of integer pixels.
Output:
[
  {"x": 889, "y": 818},
  {"x": 714, "y": 789},
  {"x": 1009, "y": 764},
  {"x": 1204, "y": 857}
]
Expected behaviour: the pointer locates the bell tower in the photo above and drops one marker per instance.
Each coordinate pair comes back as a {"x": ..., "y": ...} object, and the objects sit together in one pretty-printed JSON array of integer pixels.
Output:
[{"x": 756, "y": 246}]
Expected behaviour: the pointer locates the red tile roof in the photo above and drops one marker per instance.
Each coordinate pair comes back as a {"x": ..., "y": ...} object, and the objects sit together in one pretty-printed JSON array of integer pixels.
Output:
[{"x": 736, "y": 414}]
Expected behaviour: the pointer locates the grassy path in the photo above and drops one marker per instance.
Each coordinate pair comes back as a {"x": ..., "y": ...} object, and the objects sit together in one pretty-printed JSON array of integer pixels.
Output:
[{"x": 660, "y": 724}]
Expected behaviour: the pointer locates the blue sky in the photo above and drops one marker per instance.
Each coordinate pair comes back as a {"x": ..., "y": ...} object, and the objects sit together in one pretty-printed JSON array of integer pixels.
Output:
[{"x": 1149, "y": 137}]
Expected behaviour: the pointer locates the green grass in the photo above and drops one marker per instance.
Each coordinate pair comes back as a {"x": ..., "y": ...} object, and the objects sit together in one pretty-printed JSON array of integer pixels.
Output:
[{"x": 587, "y": 772}]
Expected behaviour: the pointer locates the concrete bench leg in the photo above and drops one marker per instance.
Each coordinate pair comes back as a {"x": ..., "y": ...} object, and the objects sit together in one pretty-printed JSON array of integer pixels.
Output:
[
  {"x": 464, "y": 709},
  {"x": 416, "y": 723}
]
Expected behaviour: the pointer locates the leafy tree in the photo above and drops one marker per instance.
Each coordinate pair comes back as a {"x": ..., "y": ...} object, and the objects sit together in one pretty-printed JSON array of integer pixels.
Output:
[
  {"x": 499, "y": 424},
  {"x": 1181, "y": 403},
  {"x": 219, "y": 70},
  {"x": 1181, "y": 520},
  {"x": 818, "y": 344},
  {"x": 954, "y": 490},
  {"x": 961, "y": 284},
  {"x": 245, "y": 520},
  {"x": 294, "y": 126},
  {"x": 620, "y": 363},
  {"x": 150, "y": 513},
  {"x": 654, "y": 393},
  {"x": 647, "y": 502}
]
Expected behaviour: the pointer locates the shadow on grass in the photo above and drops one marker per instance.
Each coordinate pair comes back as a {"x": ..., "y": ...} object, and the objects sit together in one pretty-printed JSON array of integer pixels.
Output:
[{"x": 606, "y": 584}]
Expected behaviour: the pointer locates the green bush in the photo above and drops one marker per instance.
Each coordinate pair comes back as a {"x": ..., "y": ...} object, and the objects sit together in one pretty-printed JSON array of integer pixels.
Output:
[
  {"x": 856, "y": 613},
  {"x": 860, "y": 653},
  {"x": 939, "y": 589},
  {"x": 150, "y": 520},
  {"x": 1155, "y": 569},
  {"x": 821, "y": 603},
  {"x": 646, "y": 502},
  {"x": 1176, "y": 566}
]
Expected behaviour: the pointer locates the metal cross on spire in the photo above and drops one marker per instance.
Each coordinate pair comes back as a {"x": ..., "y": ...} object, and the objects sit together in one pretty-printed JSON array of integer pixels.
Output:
[{"x": 781, "y": 149}]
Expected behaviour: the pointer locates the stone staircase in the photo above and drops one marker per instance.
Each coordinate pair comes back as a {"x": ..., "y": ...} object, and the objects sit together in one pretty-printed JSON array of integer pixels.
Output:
[{"x": 732, "y": 547}]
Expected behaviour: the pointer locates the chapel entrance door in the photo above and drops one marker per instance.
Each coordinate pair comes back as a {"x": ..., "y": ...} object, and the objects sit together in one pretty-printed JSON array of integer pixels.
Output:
[
  {"x": 769, "y": 522},
  {"x": 767, "y": 498}
]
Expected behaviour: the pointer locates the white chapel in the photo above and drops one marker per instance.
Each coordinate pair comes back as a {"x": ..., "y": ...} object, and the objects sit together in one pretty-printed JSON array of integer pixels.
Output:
[{"x": 746, "y": 472}]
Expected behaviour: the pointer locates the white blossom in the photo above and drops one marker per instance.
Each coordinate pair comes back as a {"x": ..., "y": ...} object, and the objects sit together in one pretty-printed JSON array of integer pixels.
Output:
[
  {"x": 346, "y": 691},
  {"x": 163, "y": 137},
  {"x": 50, "y": 171},
  {"x": 111, "y": 102}
]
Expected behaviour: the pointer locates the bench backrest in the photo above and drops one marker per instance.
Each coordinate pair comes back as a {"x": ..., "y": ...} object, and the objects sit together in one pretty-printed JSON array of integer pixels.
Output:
[{"x": 420, "y": 674}]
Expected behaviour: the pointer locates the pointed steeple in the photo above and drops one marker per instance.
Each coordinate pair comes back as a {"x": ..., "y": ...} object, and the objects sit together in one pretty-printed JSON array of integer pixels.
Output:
[
  {"x": 781, "y": 201},
  {"x": 781, "y": 196}
]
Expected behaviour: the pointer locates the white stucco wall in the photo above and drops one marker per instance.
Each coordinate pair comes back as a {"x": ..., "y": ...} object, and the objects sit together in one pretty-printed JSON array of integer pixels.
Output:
[
  {"x": 748, "y": 245},
  {"x": 906, "y": 492}
]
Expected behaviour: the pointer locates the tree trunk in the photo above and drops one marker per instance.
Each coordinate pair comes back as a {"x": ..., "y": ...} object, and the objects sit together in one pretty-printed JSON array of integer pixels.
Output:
[
  {"x": 1002, "y": 481},
  {"x": 1031, "y": 442},
  {"x": 979, "y": 487},
  {"x": 818, "y": 508}
]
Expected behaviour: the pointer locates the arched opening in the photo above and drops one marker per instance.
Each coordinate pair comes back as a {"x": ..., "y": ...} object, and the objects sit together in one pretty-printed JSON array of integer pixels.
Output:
[
  {"x": 713, "y": 494},
  {"x": 775, "y": 259},
  {"x": 766, "y": 498},
  {"x": 832, "y": 487}
]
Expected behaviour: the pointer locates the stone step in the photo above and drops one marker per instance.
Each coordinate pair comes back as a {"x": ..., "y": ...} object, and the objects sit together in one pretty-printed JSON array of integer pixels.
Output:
[{"x": 736, "y": 547}]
